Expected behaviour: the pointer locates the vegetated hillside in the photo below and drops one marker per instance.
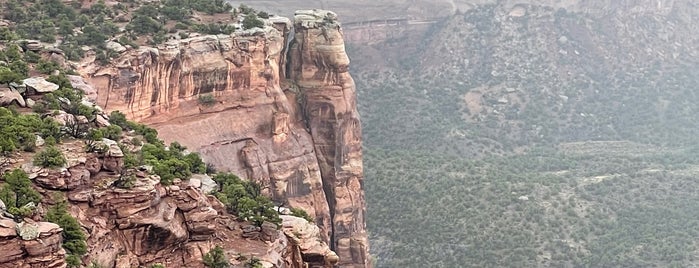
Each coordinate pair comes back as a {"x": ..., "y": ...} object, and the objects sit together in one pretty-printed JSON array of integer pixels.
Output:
[
  {"x": 110, "y": 27},
  {"x": 536, "y": 137}
]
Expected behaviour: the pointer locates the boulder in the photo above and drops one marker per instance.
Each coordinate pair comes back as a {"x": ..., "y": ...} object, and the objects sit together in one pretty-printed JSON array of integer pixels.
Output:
[
  {"x": 113, "y": 159},
  {"x": 102, "y": 120},
  {"x": 27, "y": 230},
  {"x": 30, "y": 103},
  {"x": 269, "y": 231},
  {"x": 39, "y": 85},
  {"x": 305, "y": 236},
  {"x": 34, "y": 45},
  {"x": 9, "y": 97},
  {"x": 118, "y": 48},
  {"x": 62, "y": 118},
  {"x": 79, "y": 83},
  {"x": 21, "y": 88},
  {"x": 39, "y": 141},
  {"x": 196, "y": 183},
  {"x": 206, "y": 183}
]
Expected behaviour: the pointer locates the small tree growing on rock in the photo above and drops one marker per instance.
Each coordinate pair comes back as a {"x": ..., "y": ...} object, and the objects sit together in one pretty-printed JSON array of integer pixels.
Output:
[
  {"x": 216, "y": 258},
  {"x": 17, "y": 192},
  {"x": 73, "y": 236},
  {"x": 51, "y": 157}
]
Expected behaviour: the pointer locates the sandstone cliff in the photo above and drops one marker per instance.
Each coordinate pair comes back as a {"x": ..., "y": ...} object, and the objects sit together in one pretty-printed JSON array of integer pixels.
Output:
[
  {"x": 290, "y": 126},
  {"x": 321, "y": 68}
]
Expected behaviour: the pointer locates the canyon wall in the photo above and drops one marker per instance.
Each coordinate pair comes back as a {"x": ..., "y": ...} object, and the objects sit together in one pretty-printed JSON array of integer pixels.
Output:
[
  {"x": 320, "y": 67},
  {"x": 228, "y": 98}
]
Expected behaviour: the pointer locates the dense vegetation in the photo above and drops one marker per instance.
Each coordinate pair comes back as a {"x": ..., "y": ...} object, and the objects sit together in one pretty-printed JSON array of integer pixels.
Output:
[
  {"x": 51, "y": 157},
  {"x": 20, "y": 131},
  {"x": 74, "y": 24},
  {"x": 534, "y": 141},
  {"x": 244, "y": 198}
]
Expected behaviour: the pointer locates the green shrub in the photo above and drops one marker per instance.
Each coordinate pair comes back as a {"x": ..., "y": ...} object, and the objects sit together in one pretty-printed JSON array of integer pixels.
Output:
[
  {"x": 47, "y": 67},
  {"x": 297, "y": 212},
  {"x": 126, "y": 41},
  {"x": 73, "y": 236},
  {"x": 244, "y": 9},
  {"x": 145, "y": 21},
  {"x": 263, "y": 15},
  {"x": 73, "y": 261},
  {"x": 170, "y": 169},
  {"x": 112, "y": 132},
  {"x": 8, "y": 76},
  {"x": 50, "y": 141},
  {"x": 210, "y": 168},
  {"x": 254, "y": 263},
  {"x": 125, "y": 181},
  {"x": 19, "y": 131},
  {"x": 20, "y": 67},
  {"x": 51, "y": 157},
  {"x": 32, "y": 57},
  {"x": 207, "y": 99},
  {"x": 7, "y": 35},
  {"x": 136, "y": 141},
  {"x": 95, "y": 134},
  {"x": 130, "y": 159},
  {"x": 216, "y": 258},
  {"x": 244, "y": 198},
  {"x": 18, "y": 192},
  {"x": 119, "y": 119},
  {"x": 251, "y": 21},
  {"x": 214, "y": 28}
]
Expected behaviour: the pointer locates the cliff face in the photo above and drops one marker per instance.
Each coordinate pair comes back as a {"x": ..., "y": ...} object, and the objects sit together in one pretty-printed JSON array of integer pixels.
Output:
[
  {"x": 320, "y": 66},
  {"x": 299, "y": 138}
]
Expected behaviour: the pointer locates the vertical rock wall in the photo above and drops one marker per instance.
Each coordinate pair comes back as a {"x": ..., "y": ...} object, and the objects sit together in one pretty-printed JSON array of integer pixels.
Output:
[{"x": 320, "y": 67}]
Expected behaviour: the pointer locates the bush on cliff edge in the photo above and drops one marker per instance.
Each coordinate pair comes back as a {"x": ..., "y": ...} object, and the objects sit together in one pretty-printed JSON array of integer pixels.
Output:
[
  {"x": 244, "y": 199},
  {"x": 17, "y": 192}
]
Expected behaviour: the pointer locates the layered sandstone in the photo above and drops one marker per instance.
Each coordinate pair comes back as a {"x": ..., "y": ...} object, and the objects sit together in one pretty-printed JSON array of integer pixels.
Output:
[
  {"x": 252, "y": 129},
  {"x": 320, "y": 67},
  {"x": 260, "y": 123},
  {"x": 30, "y": 244}
]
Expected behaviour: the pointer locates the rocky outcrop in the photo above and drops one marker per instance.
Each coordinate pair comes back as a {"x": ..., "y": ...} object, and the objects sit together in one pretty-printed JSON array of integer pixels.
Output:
[
  {"x": 258, "y": 125},
  {"x": 39, "y": 85},
  {"x": 30, "y": 244},
  {"x": 9, "y": 97},
  {"x": 320, "y": 67},
  {"x": 304, "y": 244}
]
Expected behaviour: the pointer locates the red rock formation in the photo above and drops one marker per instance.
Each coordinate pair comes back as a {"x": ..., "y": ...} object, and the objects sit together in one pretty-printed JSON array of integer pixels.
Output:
[
  {"x": 256, "y": 127},
  {"x": 40, "y": 249},
  {"x": 320, "y": 67}
]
